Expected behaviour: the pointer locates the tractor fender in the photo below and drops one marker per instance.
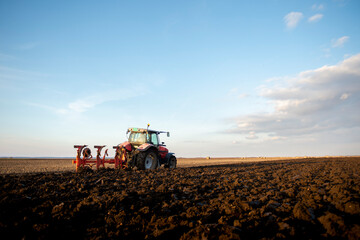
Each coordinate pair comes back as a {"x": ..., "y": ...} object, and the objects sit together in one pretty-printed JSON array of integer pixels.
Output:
[
  {"x": 144, "y": 147},
  {"x": 126, "y": 145}
]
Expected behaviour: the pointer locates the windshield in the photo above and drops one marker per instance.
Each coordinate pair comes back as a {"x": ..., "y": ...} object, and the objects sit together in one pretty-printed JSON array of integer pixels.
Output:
[
  {"x": 142, "y": 137},
  {"x": 137, "y": 138}
]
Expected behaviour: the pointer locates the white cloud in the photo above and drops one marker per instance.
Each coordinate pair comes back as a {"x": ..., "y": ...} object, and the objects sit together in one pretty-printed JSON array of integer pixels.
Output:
[
  {"x": 243, "y": 95},
  {"x": 234, "y": 92},
  {"x": 311, "y": 105},
  {"x": 252, "y": 136},
  {"x": 340, "y": 41},
  {"x": 292, "y": 19},
  {"x": 317, "y": 7},
  {"x": 85, "y": 104},
  {"x": 277, "y": 138},
  {"x": 315, "y": 18},
  {"x": 344, "y": 96}
]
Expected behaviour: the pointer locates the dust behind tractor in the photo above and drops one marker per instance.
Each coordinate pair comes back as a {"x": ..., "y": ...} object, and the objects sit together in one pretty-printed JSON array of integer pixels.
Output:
[{"x": 143, "y": 150}]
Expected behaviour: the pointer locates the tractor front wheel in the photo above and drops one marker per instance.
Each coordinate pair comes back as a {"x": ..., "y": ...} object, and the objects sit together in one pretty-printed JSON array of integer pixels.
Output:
[
  {"x": 172, "y": 162},
  {"x": 147, "y": 160}
]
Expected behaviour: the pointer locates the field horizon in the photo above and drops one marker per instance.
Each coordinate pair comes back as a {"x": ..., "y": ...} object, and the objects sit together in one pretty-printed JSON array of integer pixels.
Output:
[{"x": 43, "y": 165}]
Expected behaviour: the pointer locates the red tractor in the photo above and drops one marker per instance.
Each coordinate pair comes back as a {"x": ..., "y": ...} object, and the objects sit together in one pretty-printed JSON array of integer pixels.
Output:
[{"x": 143, "y": 150}]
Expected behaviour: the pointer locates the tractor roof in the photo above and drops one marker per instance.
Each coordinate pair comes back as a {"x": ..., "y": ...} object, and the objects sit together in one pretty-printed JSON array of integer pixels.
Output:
[{"x": 144, "y": 130}]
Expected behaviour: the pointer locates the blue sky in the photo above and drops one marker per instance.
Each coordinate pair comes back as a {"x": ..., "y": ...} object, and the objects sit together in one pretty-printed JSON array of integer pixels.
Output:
[{"x": 226, "y": 78}]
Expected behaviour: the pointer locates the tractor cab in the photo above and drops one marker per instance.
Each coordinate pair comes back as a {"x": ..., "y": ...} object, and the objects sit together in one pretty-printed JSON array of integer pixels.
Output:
[{"x": 140, "y": 136}]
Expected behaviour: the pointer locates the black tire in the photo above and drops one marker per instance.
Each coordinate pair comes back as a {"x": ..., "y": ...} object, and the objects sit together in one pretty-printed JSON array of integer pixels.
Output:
[
  {"x": 147, "y": 160},
  {"x": 172, "y": 162}
]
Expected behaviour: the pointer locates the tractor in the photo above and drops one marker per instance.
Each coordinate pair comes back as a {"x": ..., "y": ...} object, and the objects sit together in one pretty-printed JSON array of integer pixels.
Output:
[{"x": 143, "y": 150}]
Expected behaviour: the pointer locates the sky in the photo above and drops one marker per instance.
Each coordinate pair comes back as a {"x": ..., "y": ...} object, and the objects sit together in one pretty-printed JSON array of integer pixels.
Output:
[{"x": 225, "y": 78}]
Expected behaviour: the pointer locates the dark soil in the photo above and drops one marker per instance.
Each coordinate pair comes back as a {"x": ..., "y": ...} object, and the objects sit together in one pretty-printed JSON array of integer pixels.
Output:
[{"x": 297, "y": 199}]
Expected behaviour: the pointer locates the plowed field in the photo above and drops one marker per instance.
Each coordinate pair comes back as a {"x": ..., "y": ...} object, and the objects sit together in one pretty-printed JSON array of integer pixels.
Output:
[{"x": 314, "y": 198}]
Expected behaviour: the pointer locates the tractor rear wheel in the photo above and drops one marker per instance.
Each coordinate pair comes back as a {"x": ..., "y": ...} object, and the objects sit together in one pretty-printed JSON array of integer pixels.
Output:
[{"x": 147, "y": 160}]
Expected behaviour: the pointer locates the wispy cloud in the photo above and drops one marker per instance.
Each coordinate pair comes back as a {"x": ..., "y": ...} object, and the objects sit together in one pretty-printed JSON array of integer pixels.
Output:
[
  {"x": 335, "y": 43},
  {"x": 45, "y": 107},
  {"x": 317, "y": 7},
  {"x": 83, "y": 105},
  {"x": 313, "y": 103},
  {"x": 234, "y": 92},
  {"x": 292, "y": 19},
  {"x": 339, "y": 42},
  {"x": 6, "y": 57},
  {"x": 315, "y": 18},
  {"x": 28, "y": 46},
  {"x": 11, "y": 76},
  {"x": 251, "y": 136}
]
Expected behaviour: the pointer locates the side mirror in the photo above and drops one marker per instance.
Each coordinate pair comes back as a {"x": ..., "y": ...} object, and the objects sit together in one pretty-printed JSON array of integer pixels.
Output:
[
  {"x": 168, "y": 134},
  {"x": 162, "y": 143},
  {"x": 127, "y": 131}
]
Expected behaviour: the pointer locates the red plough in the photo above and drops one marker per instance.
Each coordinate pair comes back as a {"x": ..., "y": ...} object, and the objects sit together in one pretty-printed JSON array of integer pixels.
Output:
[{"x": 85, "y": 159}]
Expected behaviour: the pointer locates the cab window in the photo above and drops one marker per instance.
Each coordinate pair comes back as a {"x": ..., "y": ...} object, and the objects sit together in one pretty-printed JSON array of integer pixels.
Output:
[{"x": 154, "y": 139}]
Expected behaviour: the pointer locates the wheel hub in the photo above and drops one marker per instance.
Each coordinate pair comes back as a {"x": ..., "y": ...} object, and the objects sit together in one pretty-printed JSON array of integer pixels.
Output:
[{"x": 148, "y": 162}]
